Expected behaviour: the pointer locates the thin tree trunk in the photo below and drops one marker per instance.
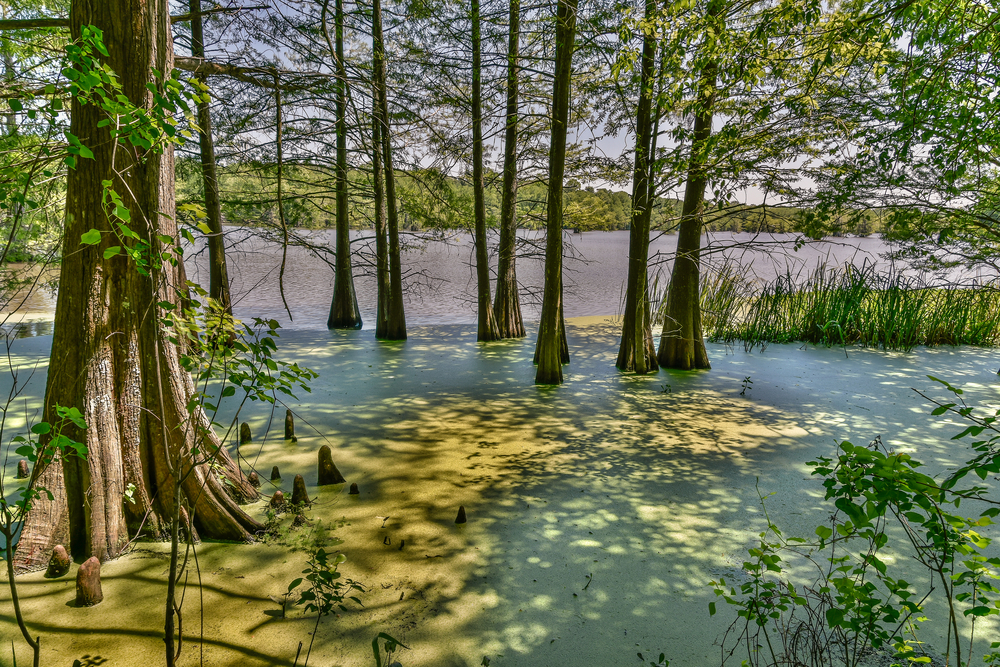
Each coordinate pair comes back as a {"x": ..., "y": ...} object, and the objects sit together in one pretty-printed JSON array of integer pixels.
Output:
[
  {"x": 112, "y": 357},
  {"x": 9, "y": 117},
  {"x": 552, "y": 348},
  {"x": 487, "y": 330},
  {"x": 344, "y": 312},
  {"x": 218, "y": 274},
  {"x": 381, "y": 242},
  {"x": 280, "y": 157},
  {"x": 396, "y": 318},
  {"x": 647, "y": 329},
  {"x": 635, "y": 352},
  {"x": 507, "y": 306},
  {"x": 682, "y": 345}
]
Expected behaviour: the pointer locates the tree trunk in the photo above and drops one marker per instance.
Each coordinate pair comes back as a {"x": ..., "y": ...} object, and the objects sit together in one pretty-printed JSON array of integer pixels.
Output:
[
  {"x": 218, "y": 274},
  {"x": 487, "y": 330},
  {"x": 552, "y": 349},
  {"x": 344, "y": 312},
  {"x": 381, "y": 242},
  {"x": 682, "y": 345},
  {"x": 111, "y": 355},
  {"x": 636, "y": 352},
  {"x": 507, "y": 306},
  {"x": 395, "y": 317},
  {"x": 9, "y": 117}
]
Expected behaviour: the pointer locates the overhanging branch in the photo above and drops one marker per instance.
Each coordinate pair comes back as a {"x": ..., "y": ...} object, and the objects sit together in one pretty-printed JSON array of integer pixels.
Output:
[{"x": 28, "y": 24}]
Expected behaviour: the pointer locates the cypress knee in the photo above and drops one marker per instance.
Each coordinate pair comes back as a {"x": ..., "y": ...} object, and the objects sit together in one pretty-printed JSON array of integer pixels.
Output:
[
  {"x": 22, "y": 469},
  {"x": 328, "y": 473},
  {"x": 290, "y": 426},
  {"x": 245, "y": 436},
  {"x": 88, "y": 583},
  {"x": 461, "y": 515},
  {"x": 277, "y": 500},
  {"x": 354, "y": 489},
  {"x": 275, "y": 475},
  {"x": 58, "y": 563},
  {"x": 299, "y": 495},
  {"x": 254, "y": 479}
]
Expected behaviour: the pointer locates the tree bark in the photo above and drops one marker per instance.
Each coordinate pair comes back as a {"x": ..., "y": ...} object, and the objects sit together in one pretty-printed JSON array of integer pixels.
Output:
[
  {"x": 682, "y": 345},
  {"x": 381, "y": 242},
  {"x": 111, "y": 355},
  {"x": 9, "y": 117},
  {"x": 218, "y": 281},
  {"x": 636, "y": 351},
  {"x": 344, "y": 312},
  {"x": 552, "y": 345},
  {"x": 507, "y": 306},
  {"x": 395, "y": 328},
  {"x": 487, "y": 329}
]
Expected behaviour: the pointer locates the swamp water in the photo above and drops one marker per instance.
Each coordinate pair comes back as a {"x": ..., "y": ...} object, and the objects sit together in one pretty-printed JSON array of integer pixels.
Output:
[
  {"x": 439, "y": 281},
  {"x": 598, "y": 512}
]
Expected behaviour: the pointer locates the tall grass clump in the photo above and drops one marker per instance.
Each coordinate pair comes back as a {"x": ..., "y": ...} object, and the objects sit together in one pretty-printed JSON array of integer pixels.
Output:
[{"x": 847, "y": 305}]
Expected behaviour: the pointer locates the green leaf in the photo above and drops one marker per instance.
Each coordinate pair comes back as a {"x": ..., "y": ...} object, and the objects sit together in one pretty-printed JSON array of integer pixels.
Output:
[
  {"x": 92, "y": 237},
  {"x": 41, "y": 428},
  {"x": 112, "y": 251},
  {"x": 15, "y": 104}
]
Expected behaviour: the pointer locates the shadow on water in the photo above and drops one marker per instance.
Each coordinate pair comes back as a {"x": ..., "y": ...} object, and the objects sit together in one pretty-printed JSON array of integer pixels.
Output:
[{"x": 598, "y": 511}]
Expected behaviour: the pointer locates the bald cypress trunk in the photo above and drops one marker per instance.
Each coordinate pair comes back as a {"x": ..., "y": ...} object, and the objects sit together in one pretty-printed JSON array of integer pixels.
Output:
[
  {"x": 636, "y": 352},
  {"x": 507, "y": 305},
  {"x": 395, "y": 325},
  {"x": 111, "y": 356},
  {"x": 344, "y": 312},
  {"x": 487, "y": 329},
  {"x": 218, "y": 273},
  {"x": 552, "y": 350},
  {"x": 381, "y": 240},
  {"x": 682, "y": 345}
]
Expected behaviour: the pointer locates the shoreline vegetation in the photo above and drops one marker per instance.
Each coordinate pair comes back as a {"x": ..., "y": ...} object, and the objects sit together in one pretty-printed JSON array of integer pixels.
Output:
[
  {"x": 847, "y": 306},
  {"x": 833, "y": 306}
]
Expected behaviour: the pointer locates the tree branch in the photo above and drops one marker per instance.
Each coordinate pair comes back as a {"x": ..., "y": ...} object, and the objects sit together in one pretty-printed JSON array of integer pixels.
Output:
[{"x": 27, "y": 24}]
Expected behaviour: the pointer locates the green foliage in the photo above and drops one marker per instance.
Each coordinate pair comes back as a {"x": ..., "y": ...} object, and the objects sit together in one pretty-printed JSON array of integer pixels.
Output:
[
  {"x": 921, "y": 124},
  {"x": 847, "y": 306},
  {"x": 241, "y": 355},
  {"x": 94, "y": 82},
  {"x": 324, "y": 591},
  {"x": 390, "y": 645},
  {"x": 659, "y": 662},
  {"x": 857, "y": 605},
  {"x": 138, "y": 131},
  {"x": 44, "y": 444}
]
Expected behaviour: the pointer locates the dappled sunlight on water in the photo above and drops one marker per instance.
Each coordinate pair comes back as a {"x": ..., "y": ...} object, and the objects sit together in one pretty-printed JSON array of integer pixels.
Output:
[{"x": 599, "y": 511}]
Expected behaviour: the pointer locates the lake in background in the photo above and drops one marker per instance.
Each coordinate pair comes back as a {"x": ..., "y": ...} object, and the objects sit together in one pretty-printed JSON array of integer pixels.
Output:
[{"x": 439, "y": 276}]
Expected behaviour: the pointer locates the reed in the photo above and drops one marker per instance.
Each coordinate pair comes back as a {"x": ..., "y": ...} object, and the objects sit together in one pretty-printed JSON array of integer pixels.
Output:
[{"x": 848, "y": 305}]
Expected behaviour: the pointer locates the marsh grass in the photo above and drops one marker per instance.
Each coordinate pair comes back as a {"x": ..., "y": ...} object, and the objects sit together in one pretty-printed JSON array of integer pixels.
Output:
[{"x": 847, "y": 305}]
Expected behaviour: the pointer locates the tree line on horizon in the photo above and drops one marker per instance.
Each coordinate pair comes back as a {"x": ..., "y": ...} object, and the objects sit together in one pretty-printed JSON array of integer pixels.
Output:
[{"x": 449, "y": 206}]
